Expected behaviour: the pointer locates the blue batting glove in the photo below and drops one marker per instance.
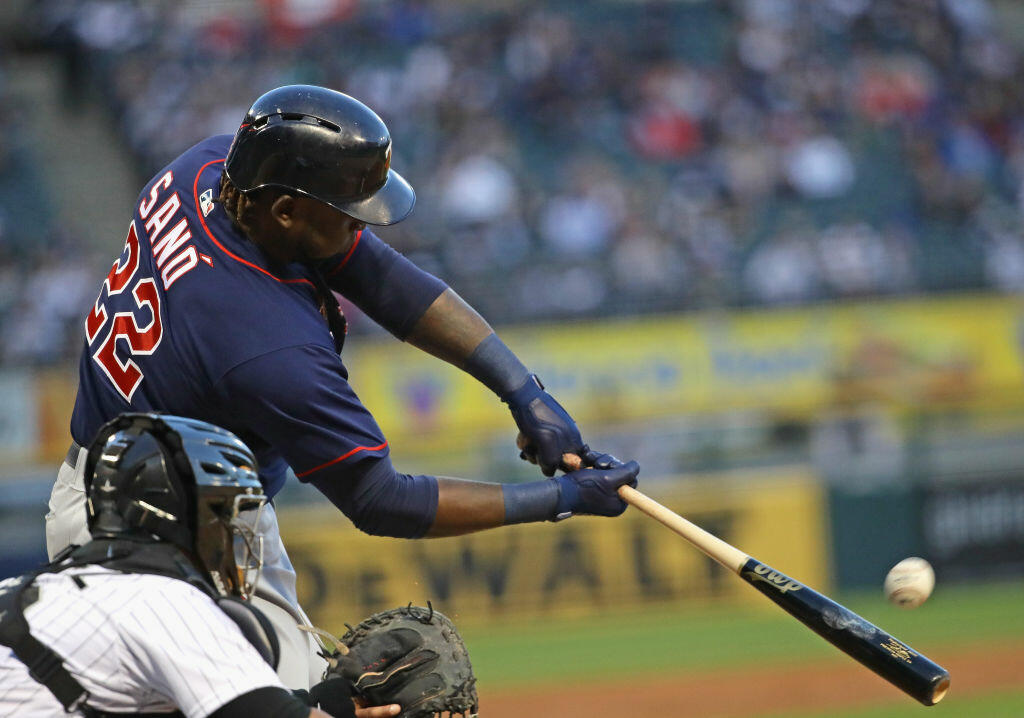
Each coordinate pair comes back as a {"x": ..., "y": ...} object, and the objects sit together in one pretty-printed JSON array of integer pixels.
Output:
[
  {"x": 594, "y": 490},
  {"x": 548, "y": 428}
]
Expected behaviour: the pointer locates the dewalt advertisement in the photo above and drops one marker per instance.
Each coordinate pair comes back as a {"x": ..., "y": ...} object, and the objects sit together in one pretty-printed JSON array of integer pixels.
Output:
[{"x": 580, "y": 566}]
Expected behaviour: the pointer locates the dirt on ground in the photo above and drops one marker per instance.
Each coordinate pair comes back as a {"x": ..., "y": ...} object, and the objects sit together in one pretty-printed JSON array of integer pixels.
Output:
[{"x": 768, "y": 691}]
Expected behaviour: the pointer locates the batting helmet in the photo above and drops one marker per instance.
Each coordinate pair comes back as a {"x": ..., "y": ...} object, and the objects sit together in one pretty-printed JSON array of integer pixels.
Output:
[
  {"x": 322, "y": 144},
  {"x": 161, "y": 477}
]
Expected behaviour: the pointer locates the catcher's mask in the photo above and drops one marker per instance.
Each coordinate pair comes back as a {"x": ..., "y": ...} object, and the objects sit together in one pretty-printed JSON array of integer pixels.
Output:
[
  {"x": 323, "y": 144},
  {"x": 193, "y": 484}
]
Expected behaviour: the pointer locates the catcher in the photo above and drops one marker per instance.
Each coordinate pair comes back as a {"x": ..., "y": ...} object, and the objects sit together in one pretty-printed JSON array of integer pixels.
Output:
[{"x": 151, "y": 616}]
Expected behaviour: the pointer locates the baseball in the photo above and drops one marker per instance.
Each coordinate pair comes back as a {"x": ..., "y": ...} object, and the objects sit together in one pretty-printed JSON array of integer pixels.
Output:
[{"x": 910, "y": 582}]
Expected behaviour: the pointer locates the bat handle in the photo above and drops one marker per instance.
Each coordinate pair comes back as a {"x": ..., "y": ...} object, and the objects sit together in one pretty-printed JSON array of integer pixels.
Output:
[
  {"x": 729, "y": 556},
  {"x": 575, "y": 462}
]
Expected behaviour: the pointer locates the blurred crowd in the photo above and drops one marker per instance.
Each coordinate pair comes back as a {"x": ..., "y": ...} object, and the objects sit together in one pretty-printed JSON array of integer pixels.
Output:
[
  {"x": 580, "y": 160},
  {"x": 45, "y": 280}
]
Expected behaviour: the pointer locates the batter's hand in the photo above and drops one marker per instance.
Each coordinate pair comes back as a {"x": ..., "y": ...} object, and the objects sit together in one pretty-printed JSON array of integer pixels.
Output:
[
  {"x": 595, "y": 490},
  {"x": 570, "y": 462},
  {"x": 546, "y": 429}
]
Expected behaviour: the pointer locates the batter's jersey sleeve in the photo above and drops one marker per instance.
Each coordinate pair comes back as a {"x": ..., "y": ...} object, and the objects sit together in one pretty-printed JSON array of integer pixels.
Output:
[
  {"x": 382, "y": 282},
  {"x": 298, "y": 400}
]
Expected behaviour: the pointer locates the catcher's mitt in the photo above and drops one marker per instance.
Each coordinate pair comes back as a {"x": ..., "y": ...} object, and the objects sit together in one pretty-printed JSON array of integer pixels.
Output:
[{"x": 412, "y": 656}]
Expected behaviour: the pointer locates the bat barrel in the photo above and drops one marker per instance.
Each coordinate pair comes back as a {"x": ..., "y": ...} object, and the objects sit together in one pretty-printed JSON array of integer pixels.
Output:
[{"x": 896, "y": 662}]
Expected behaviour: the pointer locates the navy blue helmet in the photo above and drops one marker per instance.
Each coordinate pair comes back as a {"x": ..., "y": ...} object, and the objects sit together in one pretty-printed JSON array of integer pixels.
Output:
[{"x": 323, "y": 144}]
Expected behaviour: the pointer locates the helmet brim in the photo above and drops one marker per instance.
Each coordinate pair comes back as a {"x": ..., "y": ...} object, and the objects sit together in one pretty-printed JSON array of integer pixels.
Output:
[{"x": 390, "y": 204}]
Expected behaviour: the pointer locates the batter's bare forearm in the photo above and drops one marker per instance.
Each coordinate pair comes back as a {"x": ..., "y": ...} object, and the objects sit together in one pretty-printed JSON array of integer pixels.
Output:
[
  {"x": 467, "y": 506},
  {"x": 450, "y": 329}
]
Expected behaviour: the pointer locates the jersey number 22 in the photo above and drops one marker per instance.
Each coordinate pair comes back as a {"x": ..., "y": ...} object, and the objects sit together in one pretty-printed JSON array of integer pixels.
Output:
[{"x": 114, "y": 358}]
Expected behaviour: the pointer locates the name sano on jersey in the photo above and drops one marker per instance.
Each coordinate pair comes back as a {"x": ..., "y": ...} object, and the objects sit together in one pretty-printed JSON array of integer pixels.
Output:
[{"x": 173, "y": 254}]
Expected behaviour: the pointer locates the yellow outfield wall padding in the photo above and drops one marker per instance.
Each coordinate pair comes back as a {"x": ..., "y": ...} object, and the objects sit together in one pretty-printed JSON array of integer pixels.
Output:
[{"x": 583, "y": 566}]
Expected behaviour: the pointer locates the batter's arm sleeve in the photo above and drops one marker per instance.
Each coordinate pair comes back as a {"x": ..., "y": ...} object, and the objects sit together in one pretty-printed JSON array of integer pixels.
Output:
[
  {"x": 392, "y": 290},
  {"x": 379, "y": 500}
]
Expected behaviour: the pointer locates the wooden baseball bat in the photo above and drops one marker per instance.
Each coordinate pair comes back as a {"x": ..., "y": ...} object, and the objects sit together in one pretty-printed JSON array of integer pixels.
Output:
[{"x": 893, "y": 660}]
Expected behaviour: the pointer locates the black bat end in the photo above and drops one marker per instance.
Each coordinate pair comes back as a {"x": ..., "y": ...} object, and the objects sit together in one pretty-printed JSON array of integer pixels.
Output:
[{"x": 896, "y": 662}]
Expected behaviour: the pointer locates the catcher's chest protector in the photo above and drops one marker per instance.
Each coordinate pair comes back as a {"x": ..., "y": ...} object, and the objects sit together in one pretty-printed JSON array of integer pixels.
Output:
[{"x": 46, "y": 667}]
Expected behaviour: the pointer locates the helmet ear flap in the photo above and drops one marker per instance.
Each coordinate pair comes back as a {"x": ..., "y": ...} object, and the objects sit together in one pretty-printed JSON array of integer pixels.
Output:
[
  {"x": 96, "y": 451},
  {"x": 104, "y": 513},
  {"x": 102, "y": 481}
]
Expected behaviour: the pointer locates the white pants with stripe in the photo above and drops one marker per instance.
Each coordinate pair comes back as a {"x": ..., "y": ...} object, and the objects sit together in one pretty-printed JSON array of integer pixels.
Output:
[{"x": 300, "y": 666}]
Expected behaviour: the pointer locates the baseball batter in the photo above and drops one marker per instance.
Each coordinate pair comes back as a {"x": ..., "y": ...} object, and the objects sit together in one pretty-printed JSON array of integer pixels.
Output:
[
  {"x": 145, "y": 617},
  {"x": 220, "y": 307}
]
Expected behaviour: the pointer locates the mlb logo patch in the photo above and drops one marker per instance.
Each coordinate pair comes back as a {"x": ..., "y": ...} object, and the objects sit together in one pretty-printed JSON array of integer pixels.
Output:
[{"x": 206, "y": 202}]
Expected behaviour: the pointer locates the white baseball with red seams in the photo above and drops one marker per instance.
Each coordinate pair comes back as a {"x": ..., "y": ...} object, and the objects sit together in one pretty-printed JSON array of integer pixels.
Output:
[{"x": 910, "y": 582}]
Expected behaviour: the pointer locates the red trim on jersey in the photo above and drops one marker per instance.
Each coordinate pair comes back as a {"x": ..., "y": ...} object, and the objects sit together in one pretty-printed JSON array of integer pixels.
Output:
[
  {"x": 341, "y": 458},
  {"x": 348, "y": 255},
  {"x": 202, "y": 220}
]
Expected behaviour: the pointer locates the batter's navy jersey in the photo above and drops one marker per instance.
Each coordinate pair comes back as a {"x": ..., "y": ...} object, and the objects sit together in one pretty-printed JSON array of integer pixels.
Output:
[{"x": 193, "y": 320}]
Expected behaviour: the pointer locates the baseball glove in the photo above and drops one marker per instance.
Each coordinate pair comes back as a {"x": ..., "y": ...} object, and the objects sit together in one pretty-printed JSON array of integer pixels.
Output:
[{"x": 412, "y": 656}]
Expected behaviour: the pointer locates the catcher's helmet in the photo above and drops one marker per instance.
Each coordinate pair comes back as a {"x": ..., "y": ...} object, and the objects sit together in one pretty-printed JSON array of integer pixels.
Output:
[
  {"x": 323, "y": 144},
  {"x": 160, "y": 477}
]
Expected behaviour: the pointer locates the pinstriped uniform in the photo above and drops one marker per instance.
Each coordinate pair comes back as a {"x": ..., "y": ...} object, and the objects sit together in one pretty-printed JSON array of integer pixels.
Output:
[{"x": 136, "y": 643}]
